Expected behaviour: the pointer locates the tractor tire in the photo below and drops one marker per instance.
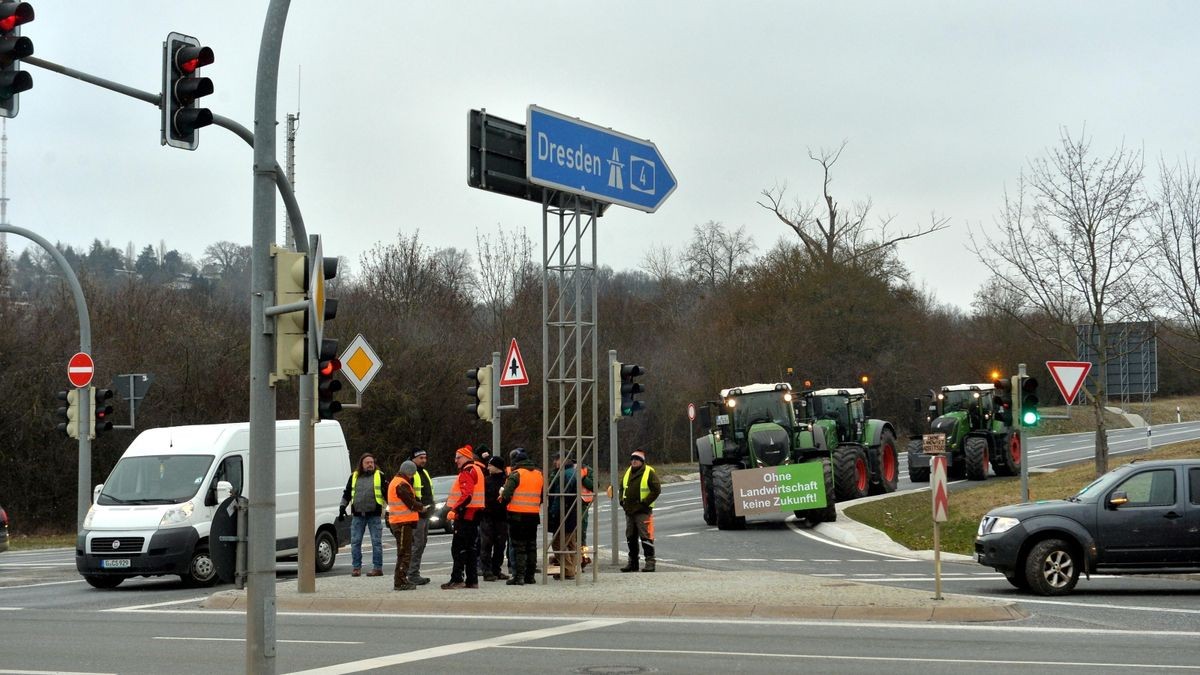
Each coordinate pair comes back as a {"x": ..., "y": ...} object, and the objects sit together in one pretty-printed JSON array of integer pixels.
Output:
[
  {"x": 829, "y": 513},
  {"x": 916, "y": 474},
  {"x": 852, "y": 477},
  {"x": 706, "y": 495},
  {"x": 888, "y": 475},
  {"x": 1007, "y": 461},
  {"x": 1052, "y": 567},
  {"x": 976, "y": 450},
  {"x": 722, "y": 492}
]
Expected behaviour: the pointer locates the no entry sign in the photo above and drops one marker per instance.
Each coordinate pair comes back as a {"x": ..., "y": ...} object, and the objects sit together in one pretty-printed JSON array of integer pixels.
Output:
[{"x": 80, "y": 370}]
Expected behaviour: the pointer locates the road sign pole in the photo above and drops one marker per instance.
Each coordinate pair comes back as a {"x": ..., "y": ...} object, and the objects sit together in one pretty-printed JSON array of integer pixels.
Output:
[{"x": 613, "y": 488}]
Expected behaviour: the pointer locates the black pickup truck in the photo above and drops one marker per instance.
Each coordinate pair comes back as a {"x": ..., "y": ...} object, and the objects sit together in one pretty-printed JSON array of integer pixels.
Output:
[{"x": 1140, "y": 518}]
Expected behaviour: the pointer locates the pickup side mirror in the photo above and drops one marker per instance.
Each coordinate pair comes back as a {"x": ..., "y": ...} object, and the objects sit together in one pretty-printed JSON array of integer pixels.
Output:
[
  {"x": 1118, "y": 498},
  {"x": 96, "y": 492}
]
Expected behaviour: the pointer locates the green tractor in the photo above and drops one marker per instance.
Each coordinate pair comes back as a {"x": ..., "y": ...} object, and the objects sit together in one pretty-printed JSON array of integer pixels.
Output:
[
  {"x": 865, "y": 459},
  {"x": 976, "y": 420},
  {"x": 753, "y": 427}
]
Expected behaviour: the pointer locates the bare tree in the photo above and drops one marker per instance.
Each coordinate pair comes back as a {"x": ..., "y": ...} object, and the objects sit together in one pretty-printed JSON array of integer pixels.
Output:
[
  {"x": 1173, "y": 235},
  {"x": 716, "y": 255},
  {"x": 505, "y": 269},
  {"x": 832, "y": 237},
  {"x": 230, "y": 258},
  {"x": 1065, "y": 252},
  {"x": 661, "y": 263}
]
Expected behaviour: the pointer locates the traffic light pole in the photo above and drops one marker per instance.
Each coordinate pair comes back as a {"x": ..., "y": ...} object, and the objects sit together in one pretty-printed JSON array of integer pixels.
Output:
[
  {"x": 1018, "y": 415},
  {"x": 614, "y": 490},
  {"x": 83, "y": 492},
  {"x": 496, "y": 405}
]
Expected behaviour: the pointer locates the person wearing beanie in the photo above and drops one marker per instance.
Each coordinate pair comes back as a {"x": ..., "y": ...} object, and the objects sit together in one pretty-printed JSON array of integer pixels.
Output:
[
  {"x": 640, "y": 488},
  {"x": 515, "y": 456},
  {"x": 522, "y": 499},
  {"x": 423, "y": 488},
  {"x": 564, "y": 495},
  {"x": 403, "y": 513},
  {"x": 365, "y": 495},
  {"x": 493, "y": 526},
  {"x": 464, "y": 503}
]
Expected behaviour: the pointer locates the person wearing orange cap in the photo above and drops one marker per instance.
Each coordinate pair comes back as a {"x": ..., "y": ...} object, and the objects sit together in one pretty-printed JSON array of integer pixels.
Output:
[
  {"x": 464, "y": 503},
  {"x": 640, "y": 487}
]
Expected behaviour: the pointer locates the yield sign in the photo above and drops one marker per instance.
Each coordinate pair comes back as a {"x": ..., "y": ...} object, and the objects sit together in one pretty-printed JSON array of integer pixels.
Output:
[
  {"x": 513, "y": 373},
  {"x": 941, "y": 497},
  {"x": 80, "y": 369},
  {"x": 1069, "y": 376}
]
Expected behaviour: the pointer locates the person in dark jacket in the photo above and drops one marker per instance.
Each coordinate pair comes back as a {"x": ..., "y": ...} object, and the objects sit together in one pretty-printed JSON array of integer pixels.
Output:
[
  {"x": 562, "y": 516},
  {"x": 522, "y": 498},
  {"x": 423, "y": 489},
  {"x": 464, "y": 503},
  {"x": 366, "y": 496},
  {"x": 640, "y": 487},
  {"x": 404, "y": 511},
  {"x": 493, "y": 528}
]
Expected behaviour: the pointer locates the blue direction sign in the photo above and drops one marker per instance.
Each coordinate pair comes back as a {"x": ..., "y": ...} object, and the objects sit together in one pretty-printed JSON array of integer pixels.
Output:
[{"x": 574, "y": 156}]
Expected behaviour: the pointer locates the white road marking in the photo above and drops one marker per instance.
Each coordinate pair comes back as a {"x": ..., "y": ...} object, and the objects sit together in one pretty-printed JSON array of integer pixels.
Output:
[
  {"x": 712, "y": 559},
  {"x": 221, "y": 639},
  {"x": 11, "y": 609},
  {"x": 168, "y": 603},
  {"x": 460, "y": 648},
  {"x": 683, "y": 534},
  {"x": 46, "y": 583},
  {"x": 796, "y": 528},
  {"x": 752, "y": 560},
  {"x": 872, "y": 659},
  {"x": 49, "y": 672}
]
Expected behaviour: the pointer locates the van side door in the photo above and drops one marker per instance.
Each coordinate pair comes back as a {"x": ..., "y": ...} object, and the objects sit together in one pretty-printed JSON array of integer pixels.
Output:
[
  {"x": 1192, "y": 519},
  {"x": 1149, "y": 530},
  {"x": 230, "y": 470}
]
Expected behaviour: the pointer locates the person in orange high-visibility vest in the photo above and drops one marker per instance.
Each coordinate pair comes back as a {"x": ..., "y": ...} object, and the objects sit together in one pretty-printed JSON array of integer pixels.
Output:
[
  {"x": 464, "y": 503},
  {"x": 522, "y": 498},
  {"x": 403, "y": 512}
]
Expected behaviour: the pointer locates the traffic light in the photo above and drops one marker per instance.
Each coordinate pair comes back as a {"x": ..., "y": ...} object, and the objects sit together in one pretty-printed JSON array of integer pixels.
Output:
[
  {"x": 291, "y": 329},
  {"x": 328, "y": 366},
  {"x": 629, "y": 388},
  {"x": 480, "y": 392},
  {"x": 183, "y": 57},
  {"x": 102, "y": 411},
  {"x": 68, "y": 415},
  {"x": 13, "y": 48},
  {"x": 1002, "y": 398},
  {"x": 1029, "y": 402}
]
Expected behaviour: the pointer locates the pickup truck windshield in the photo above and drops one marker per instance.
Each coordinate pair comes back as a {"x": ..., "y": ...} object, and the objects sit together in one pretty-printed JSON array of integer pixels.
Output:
[{"x": 155, "y": 479}]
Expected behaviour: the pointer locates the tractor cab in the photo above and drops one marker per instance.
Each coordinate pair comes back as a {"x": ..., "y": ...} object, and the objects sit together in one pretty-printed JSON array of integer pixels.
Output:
[
  {"x": 757, "y": 422},
  {"x": 845, "y": 408}
]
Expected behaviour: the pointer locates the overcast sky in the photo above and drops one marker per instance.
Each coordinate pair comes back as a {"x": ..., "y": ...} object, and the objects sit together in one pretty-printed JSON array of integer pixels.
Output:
[{"x": 942, "y": 105}]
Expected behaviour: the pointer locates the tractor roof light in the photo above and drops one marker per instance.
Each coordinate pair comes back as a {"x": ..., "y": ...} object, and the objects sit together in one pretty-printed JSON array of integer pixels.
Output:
[
  {"x": 731, "y": 402},
  {"x": 788, "y": 397}
]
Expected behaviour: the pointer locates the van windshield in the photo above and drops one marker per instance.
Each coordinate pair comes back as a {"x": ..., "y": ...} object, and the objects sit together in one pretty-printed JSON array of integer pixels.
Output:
[{"x": 155, "y": 479}]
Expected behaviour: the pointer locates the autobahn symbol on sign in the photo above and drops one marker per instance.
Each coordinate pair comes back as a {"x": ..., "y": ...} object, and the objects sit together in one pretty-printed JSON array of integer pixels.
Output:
[
  {"x": 513, "y": 368},
  {"x": 1069, "y": 376},
  {"x": 582, "y": 158},
  {"x": 80, "y": 369}
]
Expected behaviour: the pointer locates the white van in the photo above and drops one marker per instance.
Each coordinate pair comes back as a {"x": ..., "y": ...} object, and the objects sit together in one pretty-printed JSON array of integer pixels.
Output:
[{"x": 152, "y": 516}]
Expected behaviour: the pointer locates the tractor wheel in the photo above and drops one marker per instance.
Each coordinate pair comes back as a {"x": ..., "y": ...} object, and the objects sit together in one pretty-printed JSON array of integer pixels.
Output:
[
  {"x": 1008, "y": 461},
  {"x": 889, "y": 468},
  {"x": 852, "y": 477},
  {"x": 829, "y": 513},
  {"x": 1052, "y": 567},
  {"x": 976, "y": 450},
  {"x": 916, "y": 474},
  {"x": 706, "y": 497},
  {"x": 722, "y": 492}
]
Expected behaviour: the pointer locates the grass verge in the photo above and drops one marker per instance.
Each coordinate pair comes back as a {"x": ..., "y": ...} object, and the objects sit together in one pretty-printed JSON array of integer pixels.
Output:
[
  {"x": 907, "y": 519},
  {"x": 29, "y": 542}
]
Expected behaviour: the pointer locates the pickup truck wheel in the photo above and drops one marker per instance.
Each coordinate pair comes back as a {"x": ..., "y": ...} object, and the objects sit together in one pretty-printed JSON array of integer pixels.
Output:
[
  {"x": 103, "y": 581},
  {"x": 1052, "y": 567}
]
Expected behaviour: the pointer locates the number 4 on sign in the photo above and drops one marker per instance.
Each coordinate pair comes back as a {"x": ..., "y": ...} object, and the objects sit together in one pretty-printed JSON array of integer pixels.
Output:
[{"x": 513, "y": 368}]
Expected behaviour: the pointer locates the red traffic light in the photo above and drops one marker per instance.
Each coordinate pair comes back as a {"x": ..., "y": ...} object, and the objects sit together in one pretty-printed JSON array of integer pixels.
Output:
[
  {"x": 190, "y": 58},
  {"x": 13, "y": 14},
  {"x": 328, "y": 368}
]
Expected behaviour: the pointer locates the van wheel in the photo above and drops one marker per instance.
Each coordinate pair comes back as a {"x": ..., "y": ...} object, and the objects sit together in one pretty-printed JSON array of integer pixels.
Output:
[
  {"x": 103, "y": 582},
  {"x": 202, "y": 571},
  {"x": 326, "y": 551}
]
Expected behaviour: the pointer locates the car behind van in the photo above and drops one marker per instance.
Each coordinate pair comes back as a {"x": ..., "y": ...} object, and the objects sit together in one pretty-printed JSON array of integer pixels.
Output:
[{"x": 151, "y": 517}]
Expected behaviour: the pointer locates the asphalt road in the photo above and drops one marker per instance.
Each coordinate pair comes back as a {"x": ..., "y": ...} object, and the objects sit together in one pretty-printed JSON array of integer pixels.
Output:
[{"x": 53, "y": 621}]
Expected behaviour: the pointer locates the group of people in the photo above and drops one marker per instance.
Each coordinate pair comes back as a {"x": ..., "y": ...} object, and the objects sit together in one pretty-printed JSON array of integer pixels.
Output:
[{"x": 496, "y": 508}]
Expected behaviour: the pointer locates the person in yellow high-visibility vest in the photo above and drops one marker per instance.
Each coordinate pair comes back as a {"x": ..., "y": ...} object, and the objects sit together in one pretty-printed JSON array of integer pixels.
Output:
[{"x": 640, "y": 488}]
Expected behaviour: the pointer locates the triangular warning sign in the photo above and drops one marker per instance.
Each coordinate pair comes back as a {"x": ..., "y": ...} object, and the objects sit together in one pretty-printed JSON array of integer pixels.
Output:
[
  {"x": 512, "y": 369},
  {"x": 1069, "y": 376}
]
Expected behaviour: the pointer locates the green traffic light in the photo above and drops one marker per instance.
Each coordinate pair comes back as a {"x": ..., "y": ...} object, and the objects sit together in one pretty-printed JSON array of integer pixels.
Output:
[{"x": 1029, "y": 418}]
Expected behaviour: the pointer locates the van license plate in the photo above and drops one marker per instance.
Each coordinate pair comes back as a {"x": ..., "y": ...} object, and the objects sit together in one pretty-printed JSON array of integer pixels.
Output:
[{"x": 113, "y": 563}]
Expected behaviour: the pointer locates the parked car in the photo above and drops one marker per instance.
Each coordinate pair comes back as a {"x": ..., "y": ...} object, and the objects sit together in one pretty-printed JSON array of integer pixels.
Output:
[
  {"x": 3, "y": 530},
  {"x": 441, "y": 489},
  {"x": 1140, "y": 518}
]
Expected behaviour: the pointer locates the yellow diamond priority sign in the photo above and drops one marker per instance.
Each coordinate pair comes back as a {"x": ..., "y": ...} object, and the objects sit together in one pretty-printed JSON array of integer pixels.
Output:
[{"x": 360, "y": 363}]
